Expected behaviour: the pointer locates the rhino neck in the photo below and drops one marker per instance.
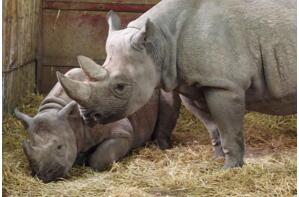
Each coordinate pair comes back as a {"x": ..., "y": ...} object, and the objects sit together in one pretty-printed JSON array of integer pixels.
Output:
[
  {"x": 86, "y": 136},
  {"x": 169, "y": 18},
  {"x": 94, "y": 135}
]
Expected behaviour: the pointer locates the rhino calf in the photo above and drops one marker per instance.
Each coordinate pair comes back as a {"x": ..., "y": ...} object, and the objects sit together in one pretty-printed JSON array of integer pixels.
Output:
[{"x": 59, "y": 135}]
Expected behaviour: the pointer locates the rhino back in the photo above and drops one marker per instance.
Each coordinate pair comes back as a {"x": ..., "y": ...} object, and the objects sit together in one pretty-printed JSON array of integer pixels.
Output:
[{"x": 249, "y": 45}]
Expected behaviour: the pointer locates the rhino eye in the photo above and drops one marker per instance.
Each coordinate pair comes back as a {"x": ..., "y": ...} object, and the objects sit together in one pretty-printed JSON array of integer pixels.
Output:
[
  {"x": 120, "y": 87},
  {"x": 59, "y": 147}
]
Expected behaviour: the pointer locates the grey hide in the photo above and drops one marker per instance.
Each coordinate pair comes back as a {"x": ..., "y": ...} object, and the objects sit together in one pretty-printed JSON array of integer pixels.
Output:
[
  {"x": 224, "y": 57},
  {"x": 58, "y": 134}
]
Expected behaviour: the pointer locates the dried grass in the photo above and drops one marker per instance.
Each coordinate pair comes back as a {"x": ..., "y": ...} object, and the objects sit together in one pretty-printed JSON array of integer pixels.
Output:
[{"x": 188, "y": 169}]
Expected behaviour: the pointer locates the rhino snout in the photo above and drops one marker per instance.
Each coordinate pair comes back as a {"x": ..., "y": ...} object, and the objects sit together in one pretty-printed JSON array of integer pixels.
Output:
[{"x": 51, "y": 174}]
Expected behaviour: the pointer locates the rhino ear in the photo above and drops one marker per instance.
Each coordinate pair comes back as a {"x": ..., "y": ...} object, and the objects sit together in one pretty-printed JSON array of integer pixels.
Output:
[
  {"x": 144, "y": 36},
  {"x": 113, "y": 21},
  {"x": 68, "y": 109}
]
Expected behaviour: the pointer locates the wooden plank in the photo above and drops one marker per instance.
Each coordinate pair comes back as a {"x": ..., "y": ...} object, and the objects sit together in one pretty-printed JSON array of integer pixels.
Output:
[
  {"x": 94, "y": 6},
  {"x": 20, "y": 38},
  {"x": 39, "y": 46},
  {"x": 10, "y": 34},
  {"x": 75, "y": 33},
  {"x": 108, "y": 1},
  {"x": 17, "y": 84}
]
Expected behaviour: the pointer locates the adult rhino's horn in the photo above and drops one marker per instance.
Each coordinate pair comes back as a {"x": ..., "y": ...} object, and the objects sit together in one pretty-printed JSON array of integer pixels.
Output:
[
  {"x": 76, "y": 90},
  {"x": 25, "y": 119},
  {"x": 94, "y": 71}
]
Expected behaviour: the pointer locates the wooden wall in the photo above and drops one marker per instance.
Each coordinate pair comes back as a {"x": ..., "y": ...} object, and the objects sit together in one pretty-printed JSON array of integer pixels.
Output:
[{"x": 20, "y": 39}]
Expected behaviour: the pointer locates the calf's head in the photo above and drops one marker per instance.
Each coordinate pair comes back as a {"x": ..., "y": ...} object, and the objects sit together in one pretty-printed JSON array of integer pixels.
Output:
[
  {"x": 52, "y": 148},
  {"x": 126, "y": 80}
]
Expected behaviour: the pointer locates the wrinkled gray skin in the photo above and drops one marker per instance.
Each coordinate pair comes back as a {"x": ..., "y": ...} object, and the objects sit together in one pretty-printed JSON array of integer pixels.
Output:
[
  {"x": 59, "y": 135},
  {"x": 224, "y": 57}
]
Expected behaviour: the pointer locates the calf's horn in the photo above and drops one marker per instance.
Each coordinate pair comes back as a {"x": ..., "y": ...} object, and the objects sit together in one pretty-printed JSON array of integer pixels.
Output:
[
  {"x": 91, "y": 69},
  {"x": 77, "y": 90}
]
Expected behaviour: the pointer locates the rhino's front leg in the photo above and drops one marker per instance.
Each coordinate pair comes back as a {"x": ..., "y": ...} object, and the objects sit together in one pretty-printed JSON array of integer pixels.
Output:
[
  {"x": 169, "y": 109},
  {"x": 199, "y": 112},
  {"x": 227, "y": 109},
  {"x": 109, "y": 151}
]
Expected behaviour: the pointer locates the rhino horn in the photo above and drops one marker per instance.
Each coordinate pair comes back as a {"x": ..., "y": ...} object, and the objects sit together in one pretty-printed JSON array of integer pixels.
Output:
[
  {"x": 113, "y": 21},
  {"x": 24, "y": 118},
  {"x": 64, "y": 112},
  {"x": 91, "y": 69},
  {"x": 76, "y": 90}
]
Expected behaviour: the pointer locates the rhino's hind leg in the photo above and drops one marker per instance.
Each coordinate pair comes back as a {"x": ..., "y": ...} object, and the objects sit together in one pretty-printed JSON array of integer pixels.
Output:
[
  {"x": 169, "y": 109},
  {"x": 206, "y": 119},
  {"x": 109, "y": 151},
  {"x": 227, "y": 109}
]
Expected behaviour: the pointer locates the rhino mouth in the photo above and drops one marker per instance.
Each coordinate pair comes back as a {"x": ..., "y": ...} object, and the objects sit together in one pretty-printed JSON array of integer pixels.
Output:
[{"x": 52, "y": 174}]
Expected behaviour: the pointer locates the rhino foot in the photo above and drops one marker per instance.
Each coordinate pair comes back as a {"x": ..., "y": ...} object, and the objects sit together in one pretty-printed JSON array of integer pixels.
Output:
[
  {"x": 164, "y": 144},
  {"x": 233, "y": 163}
]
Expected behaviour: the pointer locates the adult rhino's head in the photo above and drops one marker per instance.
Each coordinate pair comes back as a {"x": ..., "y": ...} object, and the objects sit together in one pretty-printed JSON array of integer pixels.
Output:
[
  {"x": 128, "y": 77},
  {"x": 52, "y": 148}
]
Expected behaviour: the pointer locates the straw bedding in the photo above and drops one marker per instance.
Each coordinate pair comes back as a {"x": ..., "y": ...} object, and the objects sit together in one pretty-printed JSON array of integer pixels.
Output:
[{"x": 188, "y": 169}]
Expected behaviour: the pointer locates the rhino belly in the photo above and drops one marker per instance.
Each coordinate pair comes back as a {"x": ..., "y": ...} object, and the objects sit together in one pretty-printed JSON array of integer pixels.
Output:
[{"x": 283, "y": 106}]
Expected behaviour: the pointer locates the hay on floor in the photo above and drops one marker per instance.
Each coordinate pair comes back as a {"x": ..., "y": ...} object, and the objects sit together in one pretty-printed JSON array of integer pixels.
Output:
[{"x": 186, "y": 169}]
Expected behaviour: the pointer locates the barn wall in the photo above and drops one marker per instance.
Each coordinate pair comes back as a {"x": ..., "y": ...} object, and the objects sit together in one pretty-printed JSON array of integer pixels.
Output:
[
  {"x": 20, "y": 28},
  {"x": 78, "y": 27}
]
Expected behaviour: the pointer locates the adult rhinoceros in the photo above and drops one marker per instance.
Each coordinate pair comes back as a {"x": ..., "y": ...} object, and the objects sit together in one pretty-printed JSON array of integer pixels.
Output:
[{"x": 224, "y": 57}]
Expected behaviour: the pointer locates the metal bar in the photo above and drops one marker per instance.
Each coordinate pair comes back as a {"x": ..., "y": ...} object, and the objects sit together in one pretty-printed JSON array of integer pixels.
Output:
[
  {"x": 93, "y": 6},
  {"x": 16, "y": 67}
]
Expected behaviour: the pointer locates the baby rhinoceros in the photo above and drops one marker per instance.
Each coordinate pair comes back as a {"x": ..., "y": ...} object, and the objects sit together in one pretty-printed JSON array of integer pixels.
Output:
[{"x": 59, "y": 135}]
